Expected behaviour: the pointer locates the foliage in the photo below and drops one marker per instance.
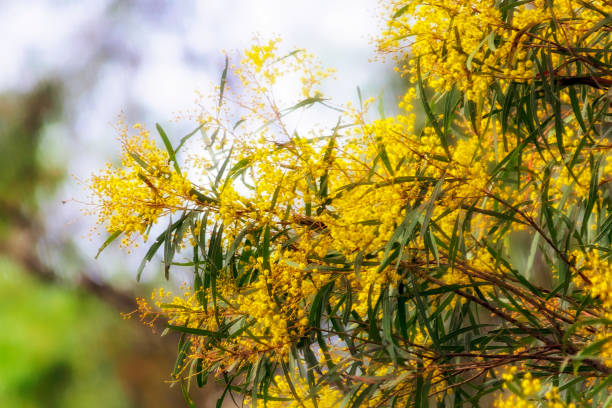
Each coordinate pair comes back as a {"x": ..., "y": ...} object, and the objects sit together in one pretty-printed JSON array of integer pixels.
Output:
[
  {"x": 47, "y": 359},
  {"x": 21, "y": 130},
  {"x": 378, "y": 263}
]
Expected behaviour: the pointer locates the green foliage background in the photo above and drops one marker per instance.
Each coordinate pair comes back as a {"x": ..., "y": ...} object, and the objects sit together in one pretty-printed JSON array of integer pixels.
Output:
[{"x": 48, "y": 356}]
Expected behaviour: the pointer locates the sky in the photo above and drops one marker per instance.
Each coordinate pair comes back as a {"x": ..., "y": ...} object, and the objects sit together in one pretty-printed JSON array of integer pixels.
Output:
[{"x": 146, "y": 58}]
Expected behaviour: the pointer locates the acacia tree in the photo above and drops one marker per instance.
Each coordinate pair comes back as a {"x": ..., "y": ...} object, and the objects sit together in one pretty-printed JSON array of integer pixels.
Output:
[{"x": 382, "y": 262}]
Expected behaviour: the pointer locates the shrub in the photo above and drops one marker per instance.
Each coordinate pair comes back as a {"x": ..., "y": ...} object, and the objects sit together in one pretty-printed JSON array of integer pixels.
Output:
[{"x": 381, "y": 262}]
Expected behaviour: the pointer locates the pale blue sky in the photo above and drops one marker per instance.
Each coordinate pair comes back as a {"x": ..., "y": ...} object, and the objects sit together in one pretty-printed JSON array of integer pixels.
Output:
[{"x": 147, "y": 57}]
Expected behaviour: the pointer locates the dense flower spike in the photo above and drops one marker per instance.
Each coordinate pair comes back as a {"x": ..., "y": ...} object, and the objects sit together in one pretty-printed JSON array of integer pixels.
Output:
[
  {"x": 472, "y": 45},
  {"x": 134, "y": 196},
  {"x": 460, "y": 255}
]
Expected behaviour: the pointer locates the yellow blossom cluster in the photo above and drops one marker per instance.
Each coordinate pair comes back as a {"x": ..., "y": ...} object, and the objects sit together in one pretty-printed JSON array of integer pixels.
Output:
[
  {"x": 472, "y": 44},
  {"x": 133, "y": 196},
  {"x": 257, "y": 55},
  {"x": 599, "y": 273},
  {"x": 294, "y": 393},
  {"x": 392, "y": 260},
  {"x": 530, "y": 393}
]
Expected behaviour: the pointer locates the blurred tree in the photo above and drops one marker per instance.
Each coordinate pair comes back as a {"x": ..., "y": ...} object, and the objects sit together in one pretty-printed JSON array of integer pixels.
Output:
[
  {"x": 48, "y": 359},
  {"x": 45, "y": 358}
]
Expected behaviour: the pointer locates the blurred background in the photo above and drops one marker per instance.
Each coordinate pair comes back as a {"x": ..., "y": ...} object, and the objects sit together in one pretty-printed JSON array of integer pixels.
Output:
[{"x": 69, "y": 68}]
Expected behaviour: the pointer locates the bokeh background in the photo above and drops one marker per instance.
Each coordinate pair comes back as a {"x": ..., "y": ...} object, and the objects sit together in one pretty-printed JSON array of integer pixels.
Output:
[{"x": 69, "y": 68}]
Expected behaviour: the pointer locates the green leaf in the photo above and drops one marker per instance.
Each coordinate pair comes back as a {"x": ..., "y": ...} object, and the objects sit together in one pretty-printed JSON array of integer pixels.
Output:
[
  {"x": 201, "y": 373},
  {"x": 429, "y": 113},
  {"x": 593, "y": 350},
  {"x": 239, "y": 167},
  {"x": 183, "y": 348},
  {"x": 158, "y": 242},
  {"x": 318, "y": 304},
  {"x": 265, "y": 249},
  {"x": 223, "y": 81},
  {"x": 400, "y": 11},
  {"x": 385, "y": 159},
  {"x": 429, "y": 207},
  {"x": 171, "y": 153},
  {"x": 197, "y": 332},
  {"x": 186, "y": 395},
  {"x": 593, "y": 194},
  {"x": 387, "y": 323},
  {"x": 203, "y": 198},
  {"x": 306, "y": 103},
  {"x": 422, "y": 315},
  {"x": 187, "y": 137},
  {"x": 508, "y": 104},
  {"x": 237, "y": 241},
  {"x": 222, "y": 169},
  {"x": 468, "y": 62},
  {"x": 576, "y": 109},
  {"x": 108, "y": 241},
  {"x": 369, "y": 390},
  {"x": 140, "y": 161},
  {"x": 168, "y": 250}
]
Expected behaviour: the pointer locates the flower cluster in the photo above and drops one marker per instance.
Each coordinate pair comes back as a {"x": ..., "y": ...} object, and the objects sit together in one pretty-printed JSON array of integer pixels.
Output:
[
  {"x": 133, "y": 196},
  {"x": 471, "y": 45},
  {"x": 529, "y": 393},
  {"x": 391, "y": 261}
]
